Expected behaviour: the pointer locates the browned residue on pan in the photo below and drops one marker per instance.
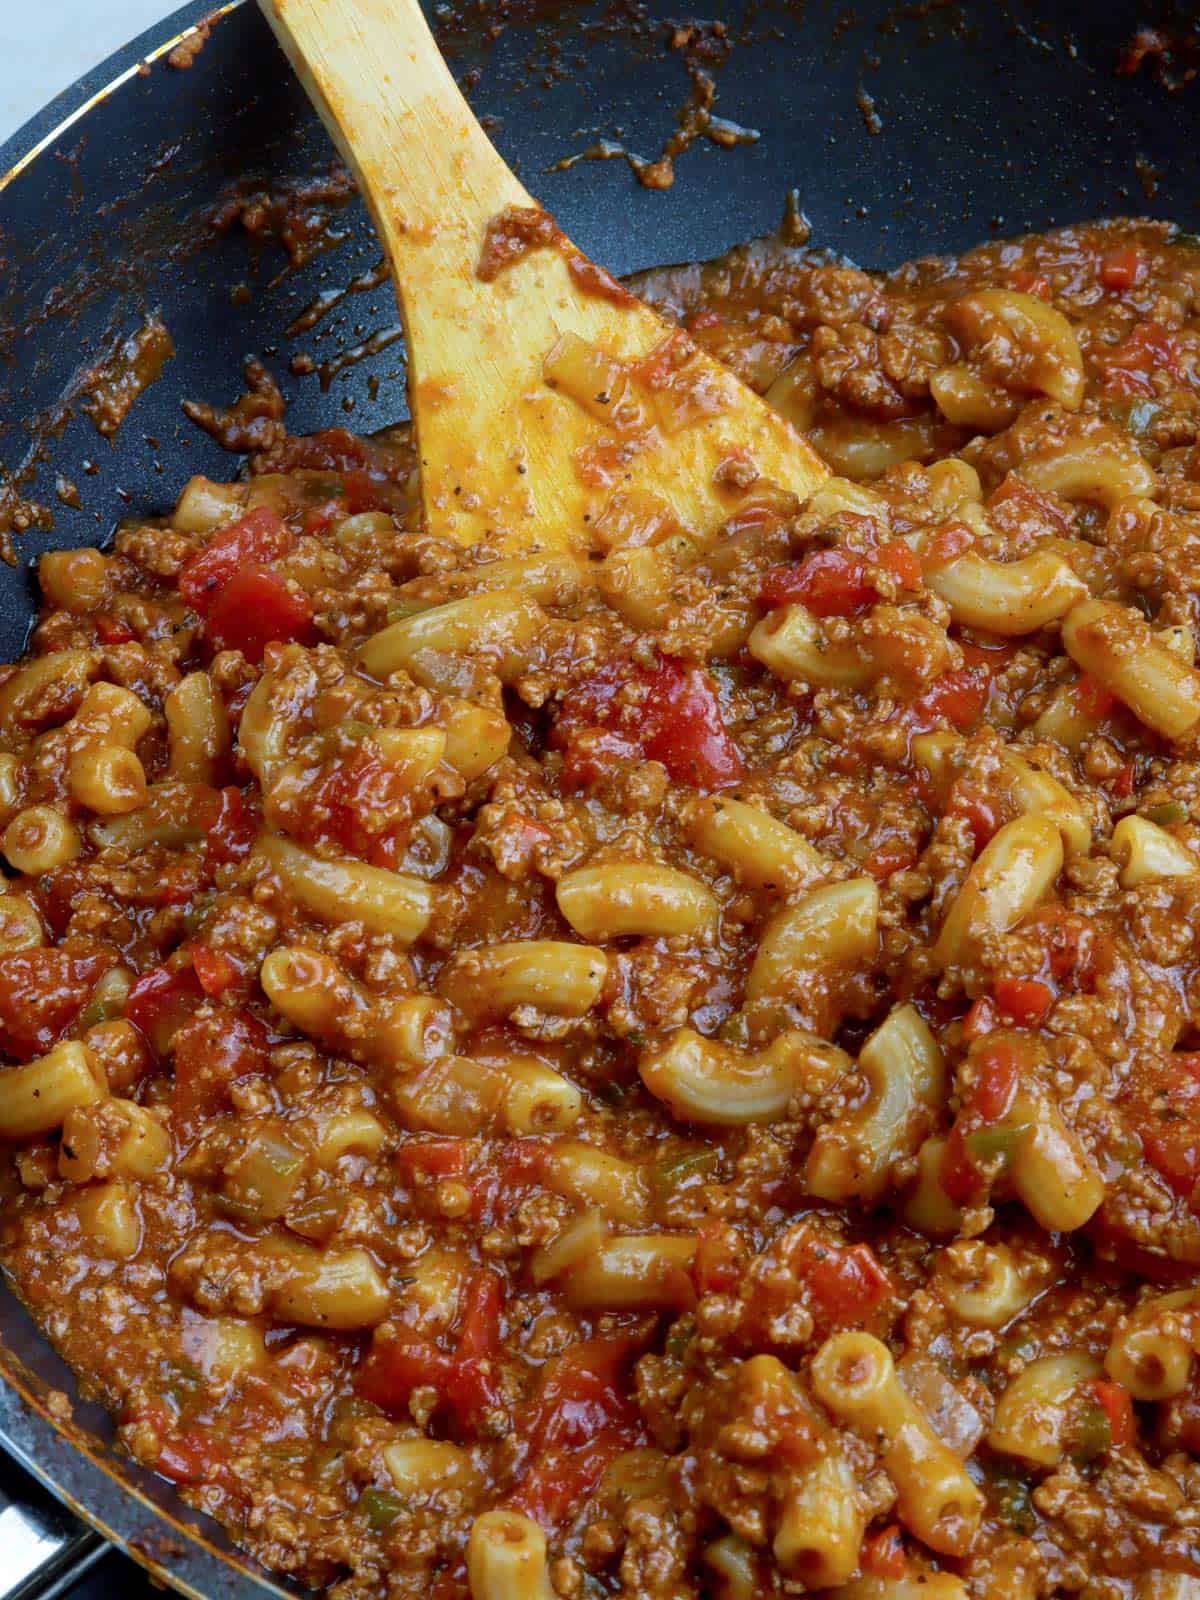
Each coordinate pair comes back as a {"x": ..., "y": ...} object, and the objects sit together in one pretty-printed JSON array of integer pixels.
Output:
[
  {"x": 328, "y": 300},
  {"x": 297, "y": 213},
  {"x": 18, "y": 515},
  {"x": 253, "y": 424},
  {"x": 110, "y": 388},
  {"x": 1172, "y": 55},
  {"x": 190, "y": 46},
  {"x": 702, "y": 45},
  {"x": 517, "y": 231},
  {"x": 872, "y": 121},
  {"x": 381, "y": 339}
]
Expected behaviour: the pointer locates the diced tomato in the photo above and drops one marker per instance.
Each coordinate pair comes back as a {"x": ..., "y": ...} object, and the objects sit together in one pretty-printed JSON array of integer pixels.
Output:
[
  {"x": 1025, "y": 1000},
  {"x": 470, "y": 1389},
  {"x": 179, "y": 882},
  {"x": 257, "y": 539},
  {"x": 670, "y": 714},
  {"x": 580, "y": 1418},
  {"x": 1027, "y": 514},
  {"x": 215, "y": 970},
  {"x": 1117, "y": 1403},
  {"x": 1026, "y": 282},
  {"x": 1122, "y": 268},
  {"x": 466, "y": 1380},
  {"x": 432, "y": 1158},
  {"x": 497, "y": 1188},
  {"x": 829, "y": 583},
  {"x": 998, "y": 1074},
  {"x": 683, "y": 727},
  {"x": 161, "y": 1001},
  {"x": 41, "y": 994},
  {"x": 351, "y": 491},
  {"x": 837, "y": 582},
  {"x": 581, "y": 1393},
  {"x": 473, "y": 1383},
  {"x": 520, "y": 1162},
  {"x": 900, "y": 562},
  {"x": 1125, "y": 782},
  {"x": 395, "y": 1367},
  {"x": 189, "y": 1458},
  {"x": 976, "y": 807},
  {"x": 956, "y": 697},
  {"x": 1173, "y": 1150},
  {"x": 997, "y": 1064},
  {"x": 883, "y": 1553},
  {"x": 111, "y": 632},
  {"x": 1129, "y": 366},
  {"x": 1092, "y": 698},
  {"x": 320, "y": 518},
  {"x": 717, "y": 1266},
  {"x": 946, "y": 545},
  {"x": 981, "y": 1019},
  {"x": 1164, "y": 1104},
  {"x": 211, "y": 1053},
  {"x": 231, "y": 833},
  {"x": 364, "y": 803},
  {"x": 892, "y": 854},
  {"x": 851, "y": 1282},
  {"x": 255, "y": 608},
  {"x": 558, "y": 1482},
  {"x": 1078, "y": 952},
  {"x": 846, "y": 1282},
  {"x": 479, "y": 1330}
]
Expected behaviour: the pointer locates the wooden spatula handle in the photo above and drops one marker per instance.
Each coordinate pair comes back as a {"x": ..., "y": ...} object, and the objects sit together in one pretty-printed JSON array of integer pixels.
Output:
[
  {"x": 425, "y": 167},
  {"x": 505, "y": 458},
  {"x": 487, "y": 426}
]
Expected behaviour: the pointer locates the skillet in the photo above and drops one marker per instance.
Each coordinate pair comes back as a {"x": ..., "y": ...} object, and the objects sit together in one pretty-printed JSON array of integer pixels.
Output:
[{"x": 903, "y": 128}]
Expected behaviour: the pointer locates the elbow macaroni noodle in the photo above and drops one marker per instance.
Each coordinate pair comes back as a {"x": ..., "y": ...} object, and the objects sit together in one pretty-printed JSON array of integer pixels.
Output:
[{"x": 854, "y": 1377}]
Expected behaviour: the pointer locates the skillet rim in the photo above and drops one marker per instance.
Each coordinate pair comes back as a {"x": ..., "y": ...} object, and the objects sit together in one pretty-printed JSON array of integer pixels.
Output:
[{"x": 34, "y": 136}]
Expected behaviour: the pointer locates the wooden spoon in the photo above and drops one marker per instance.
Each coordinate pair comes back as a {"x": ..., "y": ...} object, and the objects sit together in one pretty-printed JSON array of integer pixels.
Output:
[{"x": 552, "y": 409}]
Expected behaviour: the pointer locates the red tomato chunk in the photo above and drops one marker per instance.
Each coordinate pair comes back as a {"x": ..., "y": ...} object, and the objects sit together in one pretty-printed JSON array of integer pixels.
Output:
[
  {"x": 257, "y": 539},
  {"x": 1117, "y": 1404},
  {"x": 837, "y": 583},
  {"x": 41, "y": 994},
  {"x": 257, "y": 608},
  {"x": 1025, "y": 1000},
  {"x": 1165, "y": 1108},
  {"x": 847, "y": 1282},
  {"x": 670, "y": 714},
  {"x": 581, "y": 1417},
  {"x": 210, "y": 1053},
  {"x": 467, "y": 1378}
]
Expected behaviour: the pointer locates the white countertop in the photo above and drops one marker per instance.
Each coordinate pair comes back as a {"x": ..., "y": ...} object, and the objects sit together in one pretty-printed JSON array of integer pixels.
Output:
[{"x": 46, "y": 46}]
